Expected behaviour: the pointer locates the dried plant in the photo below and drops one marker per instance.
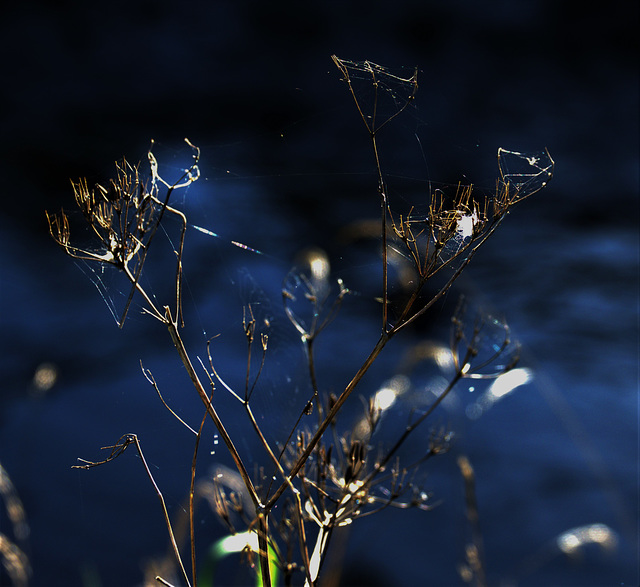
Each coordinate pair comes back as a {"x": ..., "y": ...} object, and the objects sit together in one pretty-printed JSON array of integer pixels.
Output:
[
  {"x": 12, "y": 544},
  {"x": 321, "y": 474}
]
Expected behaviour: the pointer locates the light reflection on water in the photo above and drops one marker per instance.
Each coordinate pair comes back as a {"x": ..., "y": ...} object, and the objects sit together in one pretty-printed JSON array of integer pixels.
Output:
[{"x": 503, "y": 385}]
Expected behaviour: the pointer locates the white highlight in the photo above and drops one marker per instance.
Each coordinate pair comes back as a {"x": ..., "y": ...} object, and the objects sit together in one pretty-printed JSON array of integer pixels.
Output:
[
  {"x": 571, "y": 540},
  {"x": 443, "y": 358},
  {"x": 319, "y": 267},
  {"x": 509, "y": 381},
  {"x": 386, "y": 396},
  {"x": 502, "y": 386},
  {"x": 466, "y": 225}
]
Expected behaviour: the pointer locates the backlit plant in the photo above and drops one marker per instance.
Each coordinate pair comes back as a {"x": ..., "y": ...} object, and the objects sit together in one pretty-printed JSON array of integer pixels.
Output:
[{"x": 319, "y": 475}]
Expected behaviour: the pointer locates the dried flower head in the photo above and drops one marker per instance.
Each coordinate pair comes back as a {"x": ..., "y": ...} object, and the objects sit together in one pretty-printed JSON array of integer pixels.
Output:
[{"x": 124, "y": 216}]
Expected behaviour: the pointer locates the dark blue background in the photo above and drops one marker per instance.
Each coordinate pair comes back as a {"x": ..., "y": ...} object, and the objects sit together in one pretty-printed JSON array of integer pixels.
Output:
[{"x": 286, "y": 164}]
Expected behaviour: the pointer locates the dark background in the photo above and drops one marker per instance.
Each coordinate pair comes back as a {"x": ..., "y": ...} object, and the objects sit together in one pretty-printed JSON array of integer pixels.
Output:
[{"x": 286, "y": 164}]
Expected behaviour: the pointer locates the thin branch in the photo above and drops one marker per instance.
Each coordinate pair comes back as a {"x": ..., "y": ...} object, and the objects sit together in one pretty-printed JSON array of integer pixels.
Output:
[
  {"x": 235, "y": 455},
  {"x": 116, "y": 450},
  {"x": 373, "y": 355},
  {"x": 149, "y": 377},
  {"x": 192, "y": 540}
]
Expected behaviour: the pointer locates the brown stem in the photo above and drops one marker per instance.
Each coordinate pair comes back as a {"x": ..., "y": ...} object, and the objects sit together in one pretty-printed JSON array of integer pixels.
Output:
[
  {"x": 263, "y": 548},
  {"x": 377, "y": 349},
  {"x": 186, "y": 361},
  {"x": 383, "y": 230}
]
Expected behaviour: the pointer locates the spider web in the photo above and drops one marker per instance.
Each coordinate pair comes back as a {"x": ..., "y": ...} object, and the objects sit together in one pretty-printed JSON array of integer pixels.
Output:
[
  {"x": 156, "y": 276},
  {"x": 525, "y": 173},
  {"x": 380, "y": 93}
]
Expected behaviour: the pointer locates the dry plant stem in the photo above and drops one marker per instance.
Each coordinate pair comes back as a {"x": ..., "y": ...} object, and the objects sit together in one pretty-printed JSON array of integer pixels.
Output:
[
  {"x": 249, "y": 328},
  {"x": 127, "y": 246},
  {"x": 383, "y": 208},
  {"x": 192, "y": 536},
  {"x": 475, "y": 550},
  {"x": 373, "y": 355},
  {"x": 249, "y": 411},
  {"x": 149, "y": 377},
  {"x": 309, "y": 349},
  {"x": 261, "y": 511},
  {"x": 263, "y": 548},
  {"x": 411, "y": 427},
  {"x": 377, "y": 349},
  {"x": 302, "y": 536},
  {"x": 164, "y": 206},
  {"x": 373, "y": 128},
  {"x": 319, "y": 551},
  {"x": 406, "y": 319},
  {"x": 186, "y": 361},
  {"x": 382, "y": 463},
  {"x": 265, "y": 444},
  {"x": 116, "y": 451}
]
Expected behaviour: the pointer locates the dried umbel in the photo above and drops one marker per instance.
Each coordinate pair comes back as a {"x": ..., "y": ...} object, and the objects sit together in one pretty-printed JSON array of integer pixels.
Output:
[
  {"x": 444, "y": 235},
  {"x": 454, "y": 227},
  {"x": 124, "y": 217},
  {"x": 120, "y": 214}
]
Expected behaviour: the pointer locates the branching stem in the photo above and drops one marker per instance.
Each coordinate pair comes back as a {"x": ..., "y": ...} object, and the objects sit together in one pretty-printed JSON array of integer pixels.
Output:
[{"x": 186, "y": 361}]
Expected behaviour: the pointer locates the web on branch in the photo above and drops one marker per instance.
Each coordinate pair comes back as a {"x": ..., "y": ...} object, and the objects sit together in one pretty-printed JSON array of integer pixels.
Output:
[
  {"x": 380, "y": 93},
  {"x": 523, "y": 174}
]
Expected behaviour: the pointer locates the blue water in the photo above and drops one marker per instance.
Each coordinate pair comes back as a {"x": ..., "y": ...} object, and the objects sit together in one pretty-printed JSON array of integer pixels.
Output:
[{"x": 286, "y": 165}]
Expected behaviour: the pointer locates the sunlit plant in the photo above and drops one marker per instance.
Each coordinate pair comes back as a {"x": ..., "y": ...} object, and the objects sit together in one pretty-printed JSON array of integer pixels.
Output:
[{"x": 320, "y": 474}]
